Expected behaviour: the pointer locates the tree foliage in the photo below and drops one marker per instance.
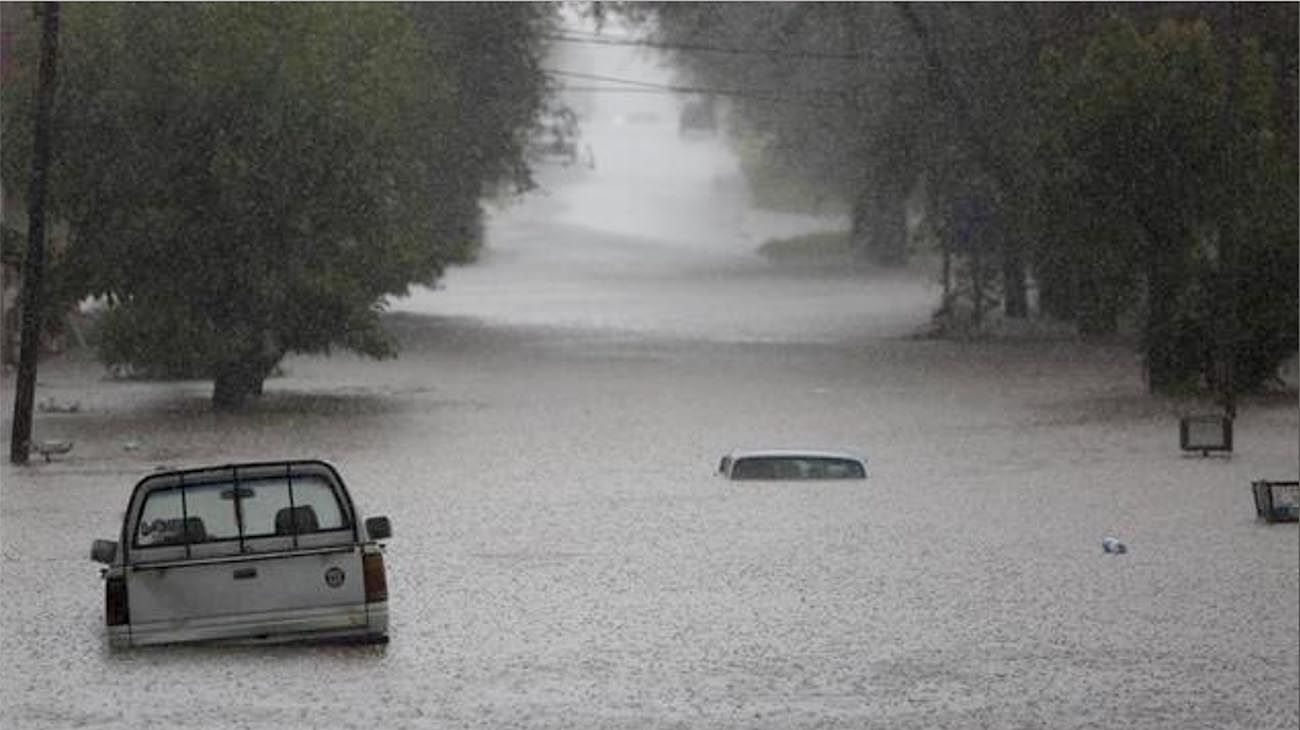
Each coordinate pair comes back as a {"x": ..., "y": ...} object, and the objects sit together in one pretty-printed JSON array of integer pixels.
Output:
[
  {"x": 813, "y": 105},
  {"x": 1171, "y": 187},
  {"x": 1134, "y": 161},
  {"x": 247, "y": 180}
]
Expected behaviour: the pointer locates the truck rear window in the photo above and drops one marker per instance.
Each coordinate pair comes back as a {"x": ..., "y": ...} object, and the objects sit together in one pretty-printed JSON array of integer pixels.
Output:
[{"x": 215, "y": 511}]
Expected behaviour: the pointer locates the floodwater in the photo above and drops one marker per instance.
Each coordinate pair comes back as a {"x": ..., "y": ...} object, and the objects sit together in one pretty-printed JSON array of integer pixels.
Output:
[{"x": 565, "y": 558}]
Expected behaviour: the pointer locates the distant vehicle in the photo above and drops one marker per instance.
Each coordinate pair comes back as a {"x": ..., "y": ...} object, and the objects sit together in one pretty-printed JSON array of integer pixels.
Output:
[
  {"x": 555, "y": 139},
  {"x": 270, "y": 550},
  {"x": 780, "y": 464}
]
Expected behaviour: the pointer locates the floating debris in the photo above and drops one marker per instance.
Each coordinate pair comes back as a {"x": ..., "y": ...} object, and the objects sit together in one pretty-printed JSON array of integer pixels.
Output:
[
  {"x": 51, "y": 447},
  {"x": 49, "y": 405},
  {"x": 1276, "y": 501}
]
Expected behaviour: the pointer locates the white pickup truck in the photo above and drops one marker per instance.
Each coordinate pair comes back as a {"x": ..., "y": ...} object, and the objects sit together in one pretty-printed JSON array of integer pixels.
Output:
[{"x": 269, "y": 550}]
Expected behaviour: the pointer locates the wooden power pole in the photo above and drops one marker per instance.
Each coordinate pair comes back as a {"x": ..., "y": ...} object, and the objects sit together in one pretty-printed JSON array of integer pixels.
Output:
[{"x": 34, "y": 264}]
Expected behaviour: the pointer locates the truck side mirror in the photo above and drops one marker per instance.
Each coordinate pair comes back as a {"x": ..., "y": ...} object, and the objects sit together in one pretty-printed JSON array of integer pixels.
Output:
[
  {"x": 103, "y": 551},
  {"x": 378, "y": 528}
]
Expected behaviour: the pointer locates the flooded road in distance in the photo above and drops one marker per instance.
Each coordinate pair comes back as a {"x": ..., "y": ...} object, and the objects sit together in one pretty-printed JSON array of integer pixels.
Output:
[{"x": 564, "y": 556}]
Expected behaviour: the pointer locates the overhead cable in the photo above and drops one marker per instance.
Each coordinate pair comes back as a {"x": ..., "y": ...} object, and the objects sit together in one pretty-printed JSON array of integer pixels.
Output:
[
  {"x": 702, "y": 48},
  {"x": 655, "y": 85}
]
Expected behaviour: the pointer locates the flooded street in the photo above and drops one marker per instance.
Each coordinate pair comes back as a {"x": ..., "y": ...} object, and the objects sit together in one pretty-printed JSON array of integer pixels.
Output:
[{"x": 564, "y": 556}]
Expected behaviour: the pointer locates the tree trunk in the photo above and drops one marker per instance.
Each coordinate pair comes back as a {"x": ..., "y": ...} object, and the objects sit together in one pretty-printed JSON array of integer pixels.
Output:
[
  {"x": 1173, "y": 349},
  {"x": 880, "y": 226},
  {"x": 1095, "y": 310},
  {"x": 859, "y": 233},
  {"x": 889, "y": 244},
  {"x": 1014, "y": 288},
  {"x": 242, "y": 377},
  {"x": 234, "y": 383},
  {"x": 946, "y": 308},
  {"x": 1057, "y": 296}
]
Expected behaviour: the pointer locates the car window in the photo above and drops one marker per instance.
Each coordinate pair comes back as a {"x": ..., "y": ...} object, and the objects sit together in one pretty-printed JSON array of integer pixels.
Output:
[
  {"x": 796, "y": 467},
  {"x": 160, "y": 520},
  {"x": 317, "y": 494},
  {"x": 269, "y": 507},
  {"x": 261, "y": 501},
  {"x": 756, "y": 468},
  {"x": 214, "y": 506},
  {"x": 282, "y": 506},
  {"x": 839, "y": 469}
]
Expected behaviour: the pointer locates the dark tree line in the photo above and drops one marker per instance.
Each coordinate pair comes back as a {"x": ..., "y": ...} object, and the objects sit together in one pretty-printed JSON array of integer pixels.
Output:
[
  {"x": 1122, "y": 161},
  {"x": 241, "y": 181}
]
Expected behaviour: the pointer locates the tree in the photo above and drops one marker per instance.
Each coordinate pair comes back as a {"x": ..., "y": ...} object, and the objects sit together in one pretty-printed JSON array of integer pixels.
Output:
[
  {"x": 248, "y": 180},
  {"x": 828, "y": 89},
  {"x": 1169, "y": 165},
  {"x": 875, "y": 99},
  {"x": 492, "y": 53},
  {"x": 1130, "y": 159}
]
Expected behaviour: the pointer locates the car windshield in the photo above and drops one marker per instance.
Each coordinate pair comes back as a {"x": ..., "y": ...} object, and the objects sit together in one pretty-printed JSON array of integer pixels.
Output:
[{"x": 797, "y": 467}]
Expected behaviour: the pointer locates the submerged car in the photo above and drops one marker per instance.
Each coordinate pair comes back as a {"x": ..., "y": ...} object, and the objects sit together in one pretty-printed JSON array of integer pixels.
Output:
[
  {"x": 267, "y": 550},
  {"x": 787, "y": 464}
]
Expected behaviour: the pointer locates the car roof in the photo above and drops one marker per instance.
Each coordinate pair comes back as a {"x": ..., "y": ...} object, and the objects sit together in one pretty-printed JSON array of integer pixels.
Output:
[{"x": 794, "y": 454}]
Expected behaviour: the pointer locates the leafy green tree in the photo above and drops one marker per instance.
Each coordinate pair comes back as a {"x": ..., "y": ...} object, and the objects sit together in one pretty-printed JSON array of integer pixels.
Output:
[
  {"x": 1172, "y": 188},
  {"x": 248, "y": 180},
  {"x": 492, "y": 54}
]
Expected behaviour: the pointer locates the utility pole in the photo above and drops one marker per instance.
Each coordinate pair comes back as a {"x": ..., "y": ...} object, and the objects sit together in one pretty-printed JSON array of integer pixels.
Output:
[
  {"x": 1228, "y": 327},
  {"x": 34, "y": 264}
]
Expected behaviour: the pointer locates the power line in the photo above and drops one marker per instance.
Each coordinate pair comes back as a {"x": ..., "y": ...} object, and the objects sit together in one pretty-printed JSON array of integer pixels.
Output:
[
  {"x": 677, "y": 88},
  {"x": 616, "y": 90},
  {"x": 612, "y": 79},
  {"x": 702, "y": 48},
  {"x": 733, "y": 93},
  {"x": 634, "y": 86},
  {"x": 587, "y": 37},
  {"x": 597, "y": 34}
]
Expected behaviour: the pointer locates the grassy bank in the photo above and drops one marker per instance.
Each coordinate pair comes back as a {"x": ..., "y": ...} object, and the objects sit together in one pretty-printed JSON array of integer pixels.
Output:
[{"x": 825, "y": 246}]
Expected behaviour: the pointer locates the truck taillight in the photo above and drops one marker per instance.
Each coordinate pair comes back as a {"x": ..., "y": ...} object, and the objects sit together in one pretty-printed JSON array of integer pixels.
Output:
[
  {"x": 116, "y": 612},
  {"x": 372, "y": 566}
]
